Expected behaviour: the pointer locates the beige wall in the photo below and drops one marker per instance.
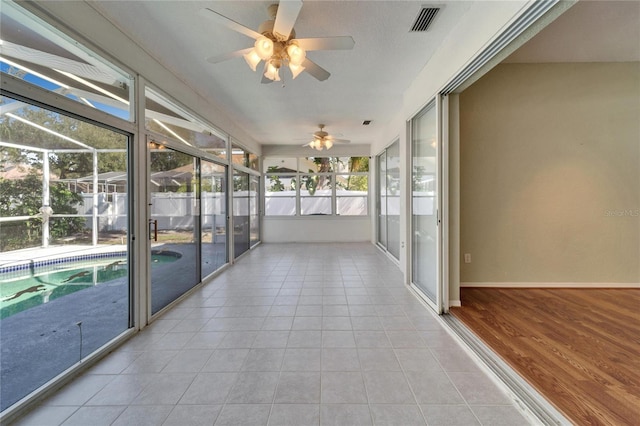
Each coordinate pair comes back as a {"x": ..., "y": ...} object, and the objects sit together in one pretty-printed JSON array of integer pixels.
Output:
[{"x": 550, "y": 181}]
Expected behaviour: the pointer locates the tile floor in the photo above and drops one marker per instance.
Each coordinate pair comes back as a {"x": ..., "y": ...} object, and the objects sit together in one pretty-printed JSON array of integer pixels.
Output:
[{"x": 293, "y": 334}]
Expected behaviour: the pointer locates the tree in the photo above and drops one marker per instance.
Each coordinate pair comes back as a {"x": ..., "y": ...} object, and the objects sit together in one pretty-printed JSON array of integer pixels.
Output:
[
  {"x": 241, "y": 182},
  {"x": 276, "y": 183},
  {"x": 311, "y": 183},
  {"x": 167, "y": 159},
  {"x": 23, "y": 197},
  {"x": 315, "y": 181},
  {"x": 355, "y": 182},
  {"x": 358, "y": 164},
  {"x": 64, "y": 201},
  {"x": 63, "y": 165}
]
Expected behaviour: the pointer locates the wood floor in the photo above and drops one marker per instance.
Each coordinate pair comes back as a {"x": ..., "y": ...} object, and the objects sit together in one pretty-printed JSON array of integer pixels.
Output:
[{"x": 580, "y": 348}]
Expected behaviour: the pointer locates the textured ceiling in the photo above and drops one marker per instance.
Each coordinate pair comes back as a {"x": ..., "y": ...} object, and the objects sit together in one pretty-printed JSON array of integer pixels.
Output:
[{"x": 366, "y": 83}]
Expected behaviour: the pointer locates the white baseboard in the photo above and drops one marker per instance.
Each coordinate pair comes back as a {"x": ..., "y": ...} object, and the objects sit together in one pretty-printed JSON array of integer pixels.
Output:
[
  {"x": 548, "y": 285},
  {"x": 455, "y": 303}
]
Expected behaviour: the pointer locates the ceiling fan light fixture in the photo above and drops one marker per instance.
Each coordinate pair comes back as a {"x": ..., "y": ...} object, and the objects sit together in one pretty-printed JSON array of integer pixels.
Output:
[
  {"x": 296, "y": 54},
  {"x": 264, "y": 48},
  {"x": 322, "y": 140},
  {"x": 295, "y": 69},
  {"x": 271, "y": 71},
  {"x": 252, "y": 59},
  {"x": 275, "y": 39}
]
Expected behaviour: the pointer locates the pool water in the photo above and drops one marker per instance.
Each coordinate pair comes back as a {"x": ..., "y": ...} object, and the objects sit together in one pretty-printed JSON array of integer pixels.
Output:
[{"x": 20, "y": 294}]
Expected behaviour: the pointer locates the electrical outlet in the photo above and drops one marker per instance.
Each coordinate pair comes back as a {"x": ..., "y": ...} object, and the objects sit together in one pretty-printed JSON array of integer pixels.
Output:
[{"x": 467, "y": 258}]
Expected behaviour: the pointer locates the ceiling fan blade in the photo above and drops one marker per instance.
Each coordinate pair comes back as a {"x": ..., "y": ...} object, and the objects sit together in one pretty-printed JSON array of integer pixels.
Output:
[
  {"x": 265, "y": 80},
  {"x": 339, "y": 140},
  {"x": 326, "y": 43},
  {"x": 229, "y": 23},
  {"x": 226, "y": 56},
  {"x": 288, "y": 11},
  {"x": 315, "y": 70}
]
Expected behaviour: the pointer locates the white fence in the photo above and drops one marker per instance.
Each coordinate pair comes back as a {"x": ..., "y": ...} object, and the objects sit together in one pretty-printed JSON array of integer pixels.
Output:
[
  {"x": 283, "y": 203},
  {"x": 171, "y": 210}
]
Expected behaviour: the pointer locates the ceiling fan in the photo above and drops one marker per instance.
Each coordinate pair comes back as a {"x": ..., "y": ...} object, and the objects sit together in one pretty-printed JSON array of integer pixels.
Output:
[
  {"x": 276, "y": 43},
  {"x": 323, "y": 140}
]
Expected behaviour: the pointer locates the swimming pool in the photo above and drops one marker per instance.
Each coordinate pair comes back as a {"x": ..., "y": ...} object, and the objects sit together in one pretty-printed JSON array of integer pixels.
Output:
[{"x": 28, "y": 288}]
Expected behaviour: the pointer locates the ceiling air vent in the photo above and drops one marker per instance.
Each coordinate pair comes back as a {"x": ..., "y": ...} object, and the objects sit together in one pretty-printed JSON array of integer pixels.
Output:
[{"x": 424, "y": 19}]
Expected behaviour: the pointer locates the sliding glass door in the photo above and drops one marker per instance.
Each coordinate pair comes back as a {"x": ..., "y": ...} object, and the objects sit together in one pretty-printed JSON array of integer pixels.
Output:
[
  {"x": 388, "y": 193},
  {"x": 173, "y": 225},
  {"x": 64, "y": 244},
  {"x": 241, "y": 213},
  {"x": 425, "y": 236},
  {"x": 213, "y": 218},
  {"x": 393, "y": 199},
  {"x": 254, "y": 210},
  {"x": 381, "y": 163},
  {"x": 246, "y": 211}
]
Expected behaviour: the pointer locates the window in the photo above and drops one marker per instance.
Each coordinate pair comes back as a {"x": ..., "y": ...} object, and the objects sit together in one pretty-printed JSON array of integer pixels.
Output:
[
  {"x": 65, "y": 67},
  {"x": 280, "y": 195},
  {"x": 280, "y": 179},
  {"x": 352, "y": 195},
  {"x": 315, "y": 194},
  {"x": 352, "y": 186},
  {"x": 165, "y": 118},
  {"x": 242, "y": 157},
  {"x": 316, "y": 186}
]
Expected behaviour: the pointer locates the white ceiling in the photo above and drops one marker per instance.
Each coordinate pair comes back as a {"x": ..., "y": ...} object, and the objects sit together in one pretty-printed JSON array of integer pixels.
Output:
[{"x": 366, "y": 83}]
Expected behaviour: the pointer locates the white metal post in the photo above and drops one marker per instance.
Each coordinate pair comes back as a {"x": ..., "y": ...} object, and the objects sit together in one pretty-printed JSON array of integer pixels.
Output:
[
  {"x": 46, "y": 199},
  {"x": 141, "y": 199},
  {"x": 94, "y": 218}
]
